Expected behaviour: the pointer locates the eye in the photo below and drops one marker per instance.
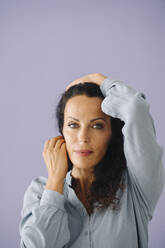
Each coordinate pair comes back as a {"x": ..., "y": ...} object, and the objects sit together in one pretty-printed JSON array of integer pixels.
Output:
[
  {"x": 99, "y": 125},
  {"x": 69, "y": 125}
]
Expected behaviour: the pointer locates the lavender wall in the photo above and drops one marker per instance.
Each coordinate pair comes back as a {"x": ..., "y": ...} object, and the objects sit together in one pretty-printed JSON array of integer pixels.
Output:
[{"x": 44, "y": 45}]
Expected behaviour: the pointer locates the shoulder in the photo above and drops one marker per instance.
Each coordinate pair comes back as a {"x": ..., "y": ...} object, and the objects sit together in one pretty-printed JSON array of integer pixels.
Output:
[
  {"x": 34, "y": 190},
  {"x": 38, "y": 183}
]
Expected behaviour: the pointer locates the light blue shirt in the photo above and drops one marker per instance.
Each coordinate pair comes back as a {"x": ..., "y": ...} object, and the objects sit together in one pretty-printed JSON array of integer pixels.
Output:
[{"x": 53, "y": 220}]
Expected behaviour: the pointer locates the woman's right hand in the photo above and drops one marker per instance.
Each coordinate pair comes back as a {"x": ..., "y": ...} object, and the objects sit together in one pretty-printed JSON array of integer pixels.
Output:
[
  {"x": 55, "y": 157},
  {"x": 96, "y": 78}
]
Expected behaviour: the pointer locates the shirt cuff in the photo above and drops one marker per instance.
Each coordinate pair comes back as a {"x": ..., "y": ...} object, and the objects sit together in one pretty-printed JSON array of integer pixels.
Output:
[{"x": 106, "y": 85}]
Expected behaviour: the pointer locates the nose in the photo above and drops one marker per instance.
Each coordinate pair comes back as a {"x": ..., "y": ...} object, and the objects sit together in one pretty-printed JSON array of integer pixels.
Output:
[{"x": 83, "y": 135}]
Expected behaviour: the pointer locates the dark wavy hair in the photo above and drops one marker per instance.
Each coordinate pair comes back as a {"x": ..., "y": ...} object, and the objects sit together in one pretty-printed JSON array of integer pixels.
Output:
[{"x": 108, "y": 173}]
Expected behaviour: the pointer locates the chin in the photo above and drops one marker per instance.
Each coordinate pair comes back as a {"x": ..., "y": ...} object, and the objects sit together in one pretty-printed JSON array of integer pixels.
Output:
[{"x": 83, "y": 164}]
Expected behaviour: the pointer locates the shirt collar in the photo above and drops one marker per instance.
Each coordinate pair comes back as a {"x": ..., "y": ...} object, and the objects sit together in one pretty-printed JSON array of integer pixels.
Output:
[
  {"x": 72, "y": 197},
  {"x": 69, "y": 178}
]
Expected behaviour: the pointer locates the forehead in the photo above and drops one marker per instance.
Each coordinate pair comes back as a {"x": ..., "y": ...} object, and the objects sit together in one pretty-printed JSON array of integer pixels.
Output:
[{"x": 84, "y": 107}]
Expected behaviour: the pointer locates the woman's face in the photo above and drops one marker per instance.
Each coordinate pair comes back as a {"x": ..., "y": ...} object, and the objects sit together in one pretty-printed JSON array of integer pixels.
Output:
[{"x": 83, "y": 133}]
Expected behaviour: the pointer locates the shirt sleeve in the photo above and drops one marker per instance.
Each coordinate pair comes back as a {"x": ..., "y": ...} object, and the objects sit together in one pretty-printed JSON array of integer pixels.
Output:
[
  {"x": 142, "y": 151},
  {"x": 43, "y": 217}
]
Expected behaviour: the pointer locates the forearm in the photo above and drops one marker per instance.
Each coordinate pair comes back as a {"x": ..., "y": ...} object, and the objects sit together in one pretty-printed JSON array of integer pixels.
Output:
[
  {"x": 141, "y": 148},
  {"x": 44, "y": 218}
]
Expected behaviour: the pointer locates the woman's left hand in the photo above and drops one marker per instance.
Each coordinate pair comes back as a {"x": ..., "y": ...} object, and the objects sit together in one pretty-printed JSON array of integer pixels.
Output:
[{"x": 97, "y": 78}]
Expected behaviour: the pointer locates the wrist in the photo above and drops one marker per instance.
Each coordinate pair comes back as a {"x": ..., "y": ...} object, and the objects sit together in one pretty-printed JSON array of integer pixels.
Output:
[{"x": 55, "y": 185}]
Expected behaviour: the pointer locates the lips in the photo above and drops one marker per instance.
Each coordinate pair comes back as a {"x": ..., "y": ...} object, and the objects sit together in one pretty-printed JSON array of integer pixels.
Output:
[{"x": 84, "y": 151}]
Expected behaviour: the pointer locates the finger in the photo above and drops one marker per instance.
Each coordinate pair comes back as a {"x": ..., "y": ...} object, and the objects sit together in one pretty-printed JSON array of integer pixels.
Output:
[
  {"x": 63, "y": 145},
  {"x": 88, "y": 77},
  {"x": 71, "y": 84},
  {"x": 76, "y": 81},
  {"x": 46, "y": 145},
  {"x": 53, "y": 141},
  {"x": 59, "y": 144}
]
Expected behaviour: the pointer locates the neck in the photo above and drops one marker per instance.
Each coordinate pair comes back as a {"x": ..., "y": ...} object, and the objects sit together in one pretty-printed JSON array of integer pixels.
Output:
[{"x": 82, "y": 180}]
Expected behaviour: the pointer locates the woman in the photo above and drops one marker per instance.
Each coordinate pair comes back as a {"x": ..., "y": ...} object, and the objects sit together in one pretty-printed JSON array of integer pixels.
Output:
[{"x": 105, "y": 172}]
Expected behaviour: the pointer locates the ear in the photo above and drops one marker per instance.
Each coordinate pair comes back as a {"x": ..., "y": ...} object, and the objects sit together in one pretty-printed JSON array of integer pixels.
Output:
[{"x": 63, "y": 136}]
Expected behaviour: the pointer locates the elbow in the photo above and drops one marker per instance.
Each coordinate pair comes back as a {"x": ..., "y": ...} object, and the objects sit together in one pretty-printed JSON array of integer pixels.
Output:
[{"x": 31, "y": 237}]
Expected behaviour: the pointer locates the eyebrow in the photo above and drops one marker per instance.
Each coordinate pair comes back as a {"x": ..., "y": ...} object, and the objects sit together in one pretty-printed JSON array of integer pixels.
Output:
[{"x": 90, "y": 120}]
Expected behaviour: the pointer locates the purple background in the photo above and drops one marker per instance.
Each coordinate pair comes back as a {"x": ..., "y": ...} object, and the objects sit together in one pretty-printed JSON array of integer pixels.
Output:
[{"x": 44, "y": 45}]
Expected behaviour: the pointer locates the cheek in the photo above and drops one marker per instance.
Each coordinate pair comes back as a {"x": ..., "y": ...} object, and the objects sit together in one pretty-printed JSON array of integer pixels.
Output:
[
  {"x": 103, "y": 141},
  {"x": 68, "y": 139}
]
